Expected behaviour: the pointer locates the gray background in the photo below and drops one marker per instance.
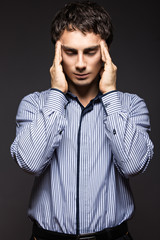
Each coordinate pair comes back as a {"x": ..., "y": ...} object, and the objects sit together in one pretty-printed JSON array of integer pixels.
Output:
[{"x": 26, "y": 54}]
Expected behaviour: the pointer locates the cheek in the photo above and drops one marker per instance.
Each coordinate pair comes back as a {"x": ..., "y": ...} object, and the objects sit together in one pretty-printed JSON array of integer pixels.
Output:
[
  {"x": 66, "y": 62},
  {"x": 97, "y": 62}
]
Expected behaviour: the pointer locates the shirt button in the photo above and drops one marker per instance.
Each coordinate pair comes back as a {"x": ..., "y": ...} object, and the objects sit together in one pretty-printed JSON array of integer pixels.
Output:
[
  {"x": 106, "y": 104},
  {"x": 114, "y": 131}
]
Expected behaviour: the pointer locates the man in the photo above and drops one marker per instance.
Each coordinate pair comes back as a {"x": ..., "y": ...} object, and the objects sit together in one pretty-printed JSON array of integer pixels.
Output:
[{"x": 82, "y": 138}]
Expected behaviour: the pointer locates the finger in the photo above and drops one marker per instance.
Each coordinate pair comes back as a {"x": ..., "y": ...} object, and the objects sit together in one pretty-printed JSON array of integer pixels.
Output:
[
  {"x": 58, "y": 54},
  {"x": 102, "y": 51},
  {"x": 105, "y": 53}
]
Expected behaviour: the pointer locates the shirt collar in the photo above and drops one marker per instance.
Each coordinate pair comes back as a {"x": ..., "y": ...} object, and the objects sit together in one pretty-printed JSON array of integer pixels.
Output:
[{"x": 70, "y": 95}]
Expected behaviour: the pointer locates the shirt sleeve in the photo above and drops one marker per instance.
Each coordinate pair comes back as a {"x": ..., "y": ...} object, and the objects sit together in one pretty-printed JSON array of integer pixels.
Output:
[
  {"x": 127, "y": 124},
  {"x": 39, "y": 130}
]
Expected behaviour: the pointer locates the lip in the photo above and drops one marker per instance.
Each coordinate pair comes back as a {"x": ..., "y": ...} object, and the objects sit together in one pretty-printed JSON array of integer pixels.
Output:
[{"x": 81, "y": 76}]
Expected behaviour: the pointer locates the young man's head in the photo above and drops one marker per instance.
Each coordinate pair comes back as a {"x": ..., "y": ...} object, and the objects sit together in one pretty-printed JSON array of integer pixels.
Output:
[
  {"x": 80, "y": 27},
  {"x": 84, "y": 16}
]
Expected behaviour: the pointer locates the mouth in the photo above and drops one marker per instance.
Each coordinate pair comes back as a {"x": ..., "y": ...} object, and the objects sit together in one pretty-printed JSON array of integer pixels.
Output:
[{"x": 81, "y": 76}]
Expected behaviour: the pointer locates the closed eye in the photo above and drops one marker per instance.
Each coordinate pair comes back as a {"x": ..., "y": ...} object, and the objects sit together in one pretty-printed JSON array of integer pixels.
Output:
[
  {"x": 70, "y": 53},
  {"x": 91, "y": 53}
]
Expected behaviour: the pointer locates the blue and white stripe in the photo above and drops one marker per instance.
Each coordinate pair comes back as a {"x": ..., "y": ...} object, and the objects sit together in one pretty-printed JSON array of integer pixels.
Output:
[{"x": 81, "y": 157}]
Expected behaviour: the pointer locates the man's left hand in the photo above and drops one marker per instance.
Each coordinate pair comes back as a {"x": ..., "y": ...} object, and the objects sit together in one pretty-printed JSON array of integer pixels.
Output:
[{"x": 109, "y": 72}]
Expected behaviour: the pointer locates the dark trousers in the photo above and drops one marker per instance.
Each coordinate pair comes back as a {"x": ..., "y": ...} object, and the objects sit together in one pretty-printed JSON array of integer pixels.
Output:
[
  {"x": 125, "y": 237},
  {"x": 119, "y": 232}
]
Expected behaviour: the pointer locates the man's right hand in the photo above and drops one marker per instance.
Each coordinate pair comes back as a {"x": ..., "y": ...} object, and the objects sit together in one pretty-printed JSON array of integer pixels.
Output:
[{"x": 58, "y": 79}]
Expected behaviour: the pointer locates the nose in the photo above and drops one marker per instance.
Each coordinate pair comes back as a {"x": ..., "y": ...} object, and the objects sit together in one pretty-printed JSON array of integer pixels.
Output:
[{"x": 80, "y": 63}]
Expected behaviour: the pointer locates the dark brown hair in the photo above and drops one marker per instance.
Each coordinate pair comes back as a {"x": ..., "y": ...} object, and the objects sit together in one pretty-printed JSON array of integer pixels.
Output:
[{"x": 85, "y": 16}]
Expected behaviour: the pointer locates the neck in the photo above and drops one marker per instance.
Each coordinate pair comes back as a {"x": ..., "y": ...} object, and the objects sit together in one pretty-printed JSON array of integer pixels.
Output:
[{"x": 84, "y": 93}]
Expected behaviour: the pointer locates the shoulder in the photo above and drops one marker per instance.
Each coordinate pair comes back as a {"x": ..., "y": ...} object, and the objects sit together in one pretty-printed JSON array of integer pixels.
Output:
[
  {"x": 132, "y": 102},
  {"x": 36, "y": 98},
  {"x": 129, "y": 99},
  {"x": 33, "y": 102}
]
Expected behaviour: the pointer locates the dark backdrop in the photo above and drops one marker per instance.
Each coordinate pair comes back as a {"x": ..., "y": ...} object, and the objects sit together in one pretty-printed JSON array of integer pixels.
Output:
[{"x": 26, "y": 54}]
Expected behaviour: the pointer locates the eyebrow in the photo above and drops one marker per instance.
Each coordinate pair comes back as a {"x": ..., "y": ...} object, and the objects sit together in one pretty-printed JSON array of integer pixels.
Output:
[{"x": 85, "y": 49}]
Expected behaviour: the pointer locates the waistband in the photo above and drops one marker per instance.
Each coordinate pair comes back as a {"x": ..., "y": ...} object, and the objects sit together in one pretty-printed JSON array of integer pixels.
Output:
[{"x": 106, "y": 234}]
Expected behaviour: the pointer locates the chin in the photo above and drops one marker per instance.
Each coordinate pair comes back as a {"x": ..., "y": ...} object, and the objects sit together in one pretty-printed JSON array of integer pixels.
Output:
[{"x": 82, "y": 83}]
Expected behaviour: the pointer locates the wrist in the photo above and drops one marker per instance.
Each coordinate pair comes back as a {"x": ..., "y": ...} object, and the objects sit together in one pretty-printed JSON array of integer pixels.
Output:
[
  {"x": 60, "y": 88},
  {"x": 108, "y": 89}
]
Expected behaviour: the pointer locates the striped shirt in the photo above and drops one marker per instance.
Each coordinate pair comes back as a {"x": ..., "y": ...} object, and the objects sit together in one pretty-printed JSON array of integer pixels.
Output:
[{"x": 82, "y": 157}]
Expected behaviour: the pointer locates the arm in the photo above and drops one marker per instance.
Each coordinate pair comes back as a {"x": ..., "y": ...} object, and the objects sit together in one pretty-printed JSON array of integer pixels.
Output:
[
  {"x": 127, "y": 124},
  {"x": 38, "y": 131},
  {"x": 39, "y": 128},
  {"x": 127, "y": 130}
]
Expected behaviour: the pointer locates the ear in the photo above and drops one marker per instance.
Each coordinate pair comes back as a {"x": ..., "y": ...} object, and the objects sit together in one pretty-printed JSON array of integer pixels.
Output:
[
  {"x": 101, "y": 70},
  {"x": 102, "y": 64}
]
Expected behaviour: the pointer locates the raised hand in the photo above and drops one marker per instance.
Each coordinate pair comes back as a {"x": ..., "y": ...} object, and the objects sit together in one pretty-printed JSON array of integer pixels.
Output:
[
  {"x": 58, "y": 79},
  {"x": 109, "y": 72}
]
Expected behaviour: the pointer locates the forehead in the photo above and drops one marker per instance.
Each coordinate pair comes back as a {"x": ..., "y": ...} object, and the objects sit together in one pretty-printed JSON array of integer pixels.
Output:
[{"x": 76, "y": 39}]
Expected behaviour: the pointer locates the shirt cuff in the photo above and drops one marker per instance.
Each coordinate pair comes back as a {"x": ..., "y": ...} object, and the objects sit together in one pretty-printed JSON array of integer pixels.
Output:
[
  {"x": 56, "y": 102},
  {"x": 111, "y": 102}
]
